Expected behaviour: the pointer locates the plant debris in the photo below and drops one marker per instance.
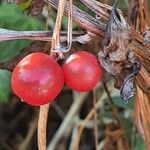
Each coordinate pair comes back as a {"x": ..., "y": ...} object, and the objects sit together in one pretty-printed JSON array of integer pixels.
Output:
[{"x": 117, "y": 58}]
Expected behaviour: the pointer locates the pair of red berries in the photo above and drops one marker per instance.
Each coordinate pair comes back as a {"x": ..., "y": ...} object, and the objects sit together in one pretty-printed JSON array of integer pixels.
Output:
[{"x": 38, "y": 78}]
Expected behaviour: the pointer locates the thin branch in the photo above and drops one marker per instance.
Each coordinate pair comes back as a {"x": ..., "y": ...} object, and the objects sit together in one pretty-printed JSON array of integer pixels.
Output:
[
  {"x": 70, "y": 21},
  {"x": 57, "y": 28},
  {"x": 114, "y": 109},
  {"x": 67, "y": 123},
  {"x": 99, "y": 104},
  {"x": 6, "y": 35},
  {"x": 73, "y": 137}
]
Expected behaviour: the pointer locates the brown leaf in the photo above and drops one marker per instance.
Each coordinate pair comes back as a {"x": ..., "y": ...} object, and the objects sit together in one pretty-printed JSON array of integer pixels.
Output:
[{"x": 117, "y": 58}]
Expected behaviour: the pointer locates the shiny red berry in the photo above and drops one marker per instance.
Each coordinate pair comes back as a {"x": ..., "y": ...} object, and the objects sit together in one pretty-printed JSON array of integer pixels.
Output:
[
  {"x": 82, "y": 71},
  {"x": 37, "y": 79}
]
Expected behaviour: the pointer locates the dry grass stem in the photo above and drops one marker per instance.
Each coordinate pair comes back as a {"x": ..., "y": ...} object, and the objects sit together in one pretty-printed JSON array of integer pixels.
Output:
[
  {"x": 99, "y": 104},
  {"x": 42, "y": 124},
  {"x": 68, "y": 121}
]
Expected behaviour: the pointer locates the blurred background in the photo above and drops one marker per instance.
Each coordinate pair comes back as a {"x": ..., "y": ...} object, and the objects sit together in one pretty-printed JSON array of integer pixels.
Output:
[{"x": 18, "y": 121}]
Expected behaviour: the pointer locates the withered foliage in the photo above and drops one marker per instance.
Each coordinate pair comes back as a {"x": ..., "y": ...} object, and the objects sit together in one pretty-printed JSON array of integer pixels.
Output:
[{"x": 117, "y": 58}]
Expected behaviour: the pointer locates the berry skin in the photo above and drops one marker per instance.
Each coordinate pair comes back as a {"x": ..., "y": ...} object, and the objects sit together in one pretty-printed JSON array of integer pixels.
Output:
[
  {"x": 37, "y": 79},
  {"x": 82, "y": 71}
]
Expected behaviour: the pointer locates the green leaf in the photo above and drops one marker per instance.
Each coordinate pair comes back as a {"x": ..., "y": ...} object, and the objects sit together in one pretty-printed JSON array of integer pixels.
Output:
[
  {"x": 13, "y": 17},
  {"x": 119, "y": 102},
  {"x": 122, "y": 5},
  {"x": 4, "y": 86},
  {"x": 11, "y": 49},
  {"x": 137, "y": 143}
]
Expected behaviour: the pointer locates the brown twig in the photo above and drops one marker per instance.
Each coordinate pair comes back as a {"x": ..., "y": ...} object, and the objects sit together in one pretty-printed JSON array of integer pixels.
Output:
[
  {"x": 75, "y": 107},
  {"x": 6, "y": 35},
  {"x": 86, "y": 120},
  {"x": 70, "y": 21},
  {"x": 57, "y": 28}
]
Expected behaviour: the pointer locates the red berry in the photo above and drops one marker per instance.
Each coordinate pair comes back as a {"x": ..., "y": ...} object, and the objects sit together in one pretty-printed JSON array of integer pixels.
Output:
[
  {"x": 82, "y": 71},
  {"x": 37, "y": 79}
]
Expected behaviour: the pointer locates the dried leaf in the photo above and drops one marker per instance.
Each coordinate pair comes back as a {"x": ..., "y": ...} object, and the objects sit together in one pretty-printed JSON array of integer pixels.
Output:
[
  {"x": 128, "y": 89},
  {"x": 85, "y": 38},
  {"x": 117, "y": 58}
]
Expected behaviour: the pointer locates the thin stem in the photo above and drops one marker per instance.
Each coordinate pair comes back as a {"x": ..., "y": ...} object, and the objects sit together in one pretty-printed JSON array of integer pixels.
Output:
[
  {"x": 57, "y": 28},
  {"x": 68, "y": 120},
  {"x": 70, "y": 19},
  {"x": 114, "y": 109},
  {"x": 43, "y": 115},
  {"x": 42, "y": 124},
  {"x": 6, "y": 35},
  {"x": 86, "y": 120},
  {"x": 59, "y": 48}
]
